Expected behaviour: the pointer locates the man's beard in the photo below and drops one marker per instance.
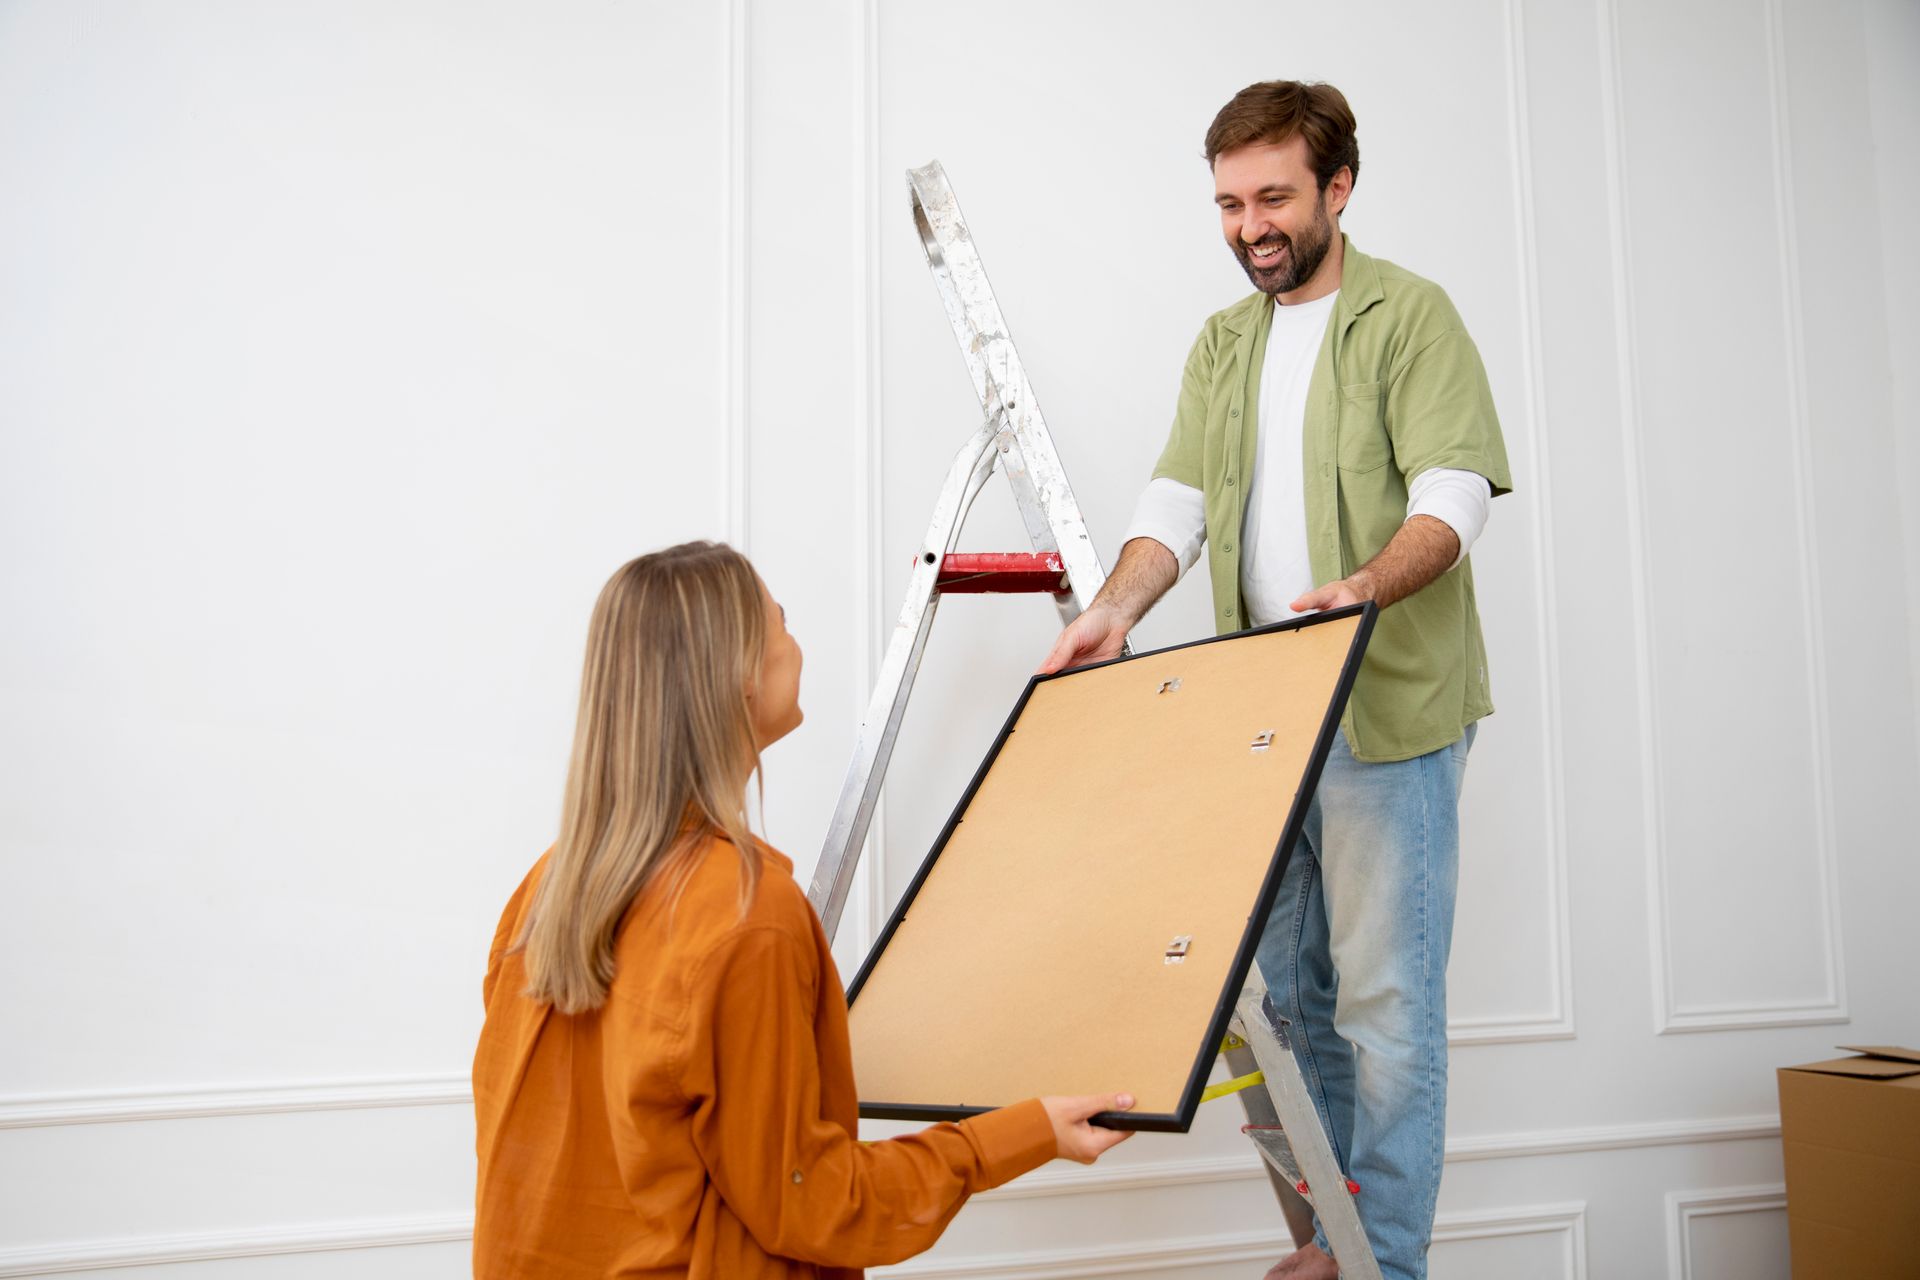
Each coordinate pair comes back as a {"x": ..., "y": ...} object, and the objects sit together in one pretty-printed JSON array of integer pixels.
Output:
[{"x": 1303, "y": 256}]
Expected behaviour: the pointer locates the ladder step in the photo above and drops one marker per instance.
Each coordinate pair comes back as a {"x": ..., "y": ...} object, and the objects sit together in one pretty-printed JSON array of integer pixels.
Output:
[{"x": 1002, "y": 572}]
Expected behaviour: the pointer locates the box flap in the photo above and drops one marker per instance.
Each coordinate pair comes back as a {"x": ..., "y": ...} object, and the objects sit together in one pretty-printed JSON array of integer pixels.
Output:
[
  {"x": 1869, "y": 1068},
  {"x": 1883, "y": 1051}
]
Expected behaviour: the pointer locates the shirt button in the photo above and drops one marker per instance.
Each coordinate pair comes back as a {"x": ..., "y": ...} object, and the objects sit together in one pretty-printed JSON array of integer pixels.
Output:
[
  {"x": 1228, "y": 547},
  {"x": 1229, "y": 611},
  {"x": 1233, "y": 413},
  {"x": 796, "y": 1177},
  {"x": 1229, "y": 481}
]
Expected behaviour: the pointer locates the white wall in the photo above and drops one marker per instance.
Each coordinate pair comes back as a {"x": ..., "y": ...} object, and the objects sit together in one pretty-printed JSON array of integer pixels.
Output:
[
  {"x": 345, "y": 349},
  {"x": 1892, "y": 36}
]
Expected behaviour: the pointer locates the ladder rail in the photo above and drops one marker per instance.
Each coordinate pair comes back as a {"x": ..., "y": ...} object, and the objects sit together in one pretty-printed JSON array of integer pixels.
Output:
[
  {"x": 1261, "y": 1114},
  {"x": 1304, "y": 1140},
  {"x": 880, "y": 726},
  {"x": 1047, "y": 506}
]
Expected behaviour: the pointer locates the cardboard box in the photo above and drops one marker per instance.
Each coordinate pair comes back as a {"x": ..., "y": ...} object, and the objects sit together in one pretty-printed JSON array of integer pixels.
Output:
[{"x": 1851, "y": 1129}]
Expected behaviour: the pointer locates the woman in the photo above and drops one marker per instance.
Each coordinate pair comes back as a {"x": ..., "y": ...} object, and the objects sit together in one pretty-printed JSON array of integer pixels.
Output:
[{"x": 663, "y": 1085}]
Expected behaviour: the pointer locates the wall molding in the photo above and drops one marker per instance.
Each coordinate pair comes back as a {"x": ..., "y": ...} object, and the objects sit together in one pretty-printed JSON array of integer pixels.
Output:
[
  {"x": 1267, "y": 1246},
  {"x": 868, "y": 912},
  {"x": 1047, "y": 1264},
  {"x": 1524, "y": 1028},
  {"x": 1076, "y": 1263},
  {"x": 29, "y": 1111},
  {"x": 1074, "y": 1180},
  {"x": 148, "y": 1251},
  {"x": 1670, "y": 1015},
  {"x": 1799, "y": 421},
  {"x": 1685, "y": 1206},
  {"x": 1082, "y": 1261},
  {"x": 1611, "y": 1137},
  {"x": 1557, "y": 1022},
  {"x": 736, "y": 259},
  {"x": 1566, "y": 1220},
  {"x": 1613, "y": 123},
  {"x": 26, "y": 1111}
]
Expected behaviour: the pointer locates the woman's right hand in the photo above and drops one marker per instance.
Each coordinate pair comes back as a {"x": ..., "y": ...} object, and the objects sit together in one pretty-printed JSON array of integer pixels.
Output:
[{"x": 1077, "y": 1140}]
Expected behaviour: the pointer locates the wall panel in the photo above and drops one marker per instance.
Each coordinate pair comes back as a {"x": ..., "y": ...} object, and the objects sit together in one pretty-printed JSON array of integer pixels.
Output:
[
  {"x": 286, "y": 477},
  {"x": 1720, "y": 1235},
  {"x": 1723, "y": 400}
]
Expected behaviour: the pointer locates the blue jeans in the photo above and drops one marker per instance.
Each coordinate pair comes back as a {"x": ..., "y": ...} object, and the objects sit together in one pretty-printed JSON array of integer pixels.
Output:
[{"x": 1355, "y": 954}]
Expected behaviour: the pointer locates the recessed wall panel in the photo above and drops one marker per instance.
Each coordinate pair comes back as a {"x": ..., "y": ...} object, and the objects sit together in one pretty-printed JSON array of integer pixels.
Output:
[
  {"x": 1749, "y": 1244},
  {"x": 1547, "y": 1253},
  {"x": 1730, "y": 614},
  {"x": 346, "y": 355}
]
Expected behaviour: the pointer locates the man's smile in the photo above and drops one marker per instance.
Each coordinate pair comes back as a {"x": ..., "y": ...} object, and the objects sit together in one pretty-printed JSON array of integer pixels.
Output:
[{"x": 1266, "y": 253}]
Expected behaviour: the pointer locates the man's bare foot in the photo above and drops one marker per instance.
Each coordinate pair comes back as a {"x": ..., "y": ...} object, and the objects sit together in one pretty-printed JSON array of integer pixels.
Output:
[{"x": 1306, "y": 1263}]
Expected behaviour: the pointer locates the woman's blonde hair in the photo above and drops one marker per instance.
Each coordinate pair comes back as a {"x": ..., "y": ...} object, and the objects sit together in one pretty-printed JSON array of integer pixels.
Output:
[{"x": 662, "y": 753}]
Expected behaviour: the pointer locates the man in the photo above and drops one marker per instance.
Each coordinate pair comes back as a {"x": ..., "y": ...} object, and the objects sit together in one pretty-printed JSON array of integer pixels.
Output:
[{"x": 1335, "y": 441}]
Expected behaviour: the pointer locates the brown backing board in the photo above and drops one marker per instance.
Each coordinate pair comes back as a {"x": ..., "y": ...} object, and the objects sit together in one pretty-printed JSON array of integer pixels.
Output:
[{"x": 1029, "y": 955}]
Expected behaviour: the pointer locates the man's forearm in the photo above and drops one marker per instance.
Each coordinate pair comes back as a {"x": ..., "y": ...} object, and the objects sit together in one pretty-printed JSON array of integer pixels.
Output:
[
  {"x": 1421, "y": 550},
  {"x": 1145, "y": 572}
]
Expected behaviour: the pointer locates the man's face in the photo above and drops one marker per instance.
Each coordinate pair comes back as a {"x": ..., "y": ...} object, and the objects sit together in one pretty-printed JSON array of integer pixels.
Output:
[{"x": 1277, "y": 220}]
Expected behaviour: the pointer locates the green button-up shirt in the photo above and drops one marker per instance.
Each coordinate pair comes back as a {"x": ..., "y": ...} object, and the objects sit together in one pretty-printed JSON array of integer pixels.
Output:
[{"x": 1398, "y": 389}]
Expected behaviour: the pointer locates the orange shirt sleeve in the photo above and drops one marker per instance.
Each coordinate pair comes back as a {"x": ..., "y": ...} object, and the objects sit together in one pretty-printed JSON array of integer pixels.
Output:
[
  {"x": 503, "y": 936},
  {"x": 805, "y": 1187}
]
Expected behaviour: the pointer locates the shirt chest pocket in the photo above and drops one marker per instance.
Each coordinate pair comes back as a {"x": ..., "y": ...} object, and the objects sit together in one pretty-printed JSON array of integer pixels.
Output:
[{"x": 1363, "y": 442}]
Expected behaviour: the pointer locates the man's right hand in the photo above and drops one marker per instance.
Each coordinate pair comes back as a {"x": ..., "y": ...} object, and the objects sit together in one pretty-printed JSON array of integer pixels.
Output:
[
  {"x": 1096, "y": 635},
  {"x": 1145, "y": 571}
]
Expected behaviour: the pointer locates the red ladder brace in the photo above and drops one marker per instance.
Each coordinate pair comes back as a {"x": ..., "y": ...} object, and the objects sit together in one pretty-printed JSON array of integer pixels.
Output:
[{"x": 1002, "y": 572}]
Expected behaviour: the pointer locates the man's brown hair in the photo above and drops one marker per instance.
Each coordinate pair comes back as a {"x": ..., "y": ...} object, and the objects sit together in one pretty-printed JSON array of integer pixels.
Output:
[{"x": 1274, "y": 111}]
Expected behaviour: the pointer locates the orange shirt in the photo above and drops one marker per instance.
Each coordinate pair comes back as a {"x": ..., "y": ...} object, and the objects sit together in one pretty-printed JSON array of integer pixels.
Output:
[{"x": 701, "y": 1123}]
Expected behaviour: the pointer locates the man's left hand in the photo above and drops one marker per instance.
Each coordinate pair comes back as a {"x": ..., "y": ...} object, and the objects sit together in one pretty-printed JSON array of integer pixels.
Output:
[
  {"x": 1421, "y": 550},
  {"x": 1335, "y": 595}
]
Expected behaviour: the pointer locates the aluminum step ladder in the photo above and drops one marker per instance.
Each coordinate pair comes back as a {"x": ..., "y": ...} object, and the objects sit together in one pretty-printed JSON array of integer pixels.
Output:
[{"x": 1281, "y": 1117}]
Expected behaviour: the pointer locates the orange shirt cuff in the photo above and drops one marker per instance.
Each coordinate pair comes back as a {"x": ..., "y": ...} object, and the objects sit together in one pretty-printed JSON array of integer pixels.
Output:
[{"x": 1011, "y": 1141}]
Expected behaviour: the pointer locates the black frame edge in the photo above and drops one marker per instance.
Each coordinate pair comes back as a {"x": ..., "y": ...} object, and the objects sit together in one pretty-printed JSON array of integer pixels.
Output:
[
  {"x": 1180, "y": 1121},
  {"x": 1283, "y": 854}
]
